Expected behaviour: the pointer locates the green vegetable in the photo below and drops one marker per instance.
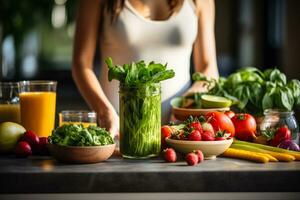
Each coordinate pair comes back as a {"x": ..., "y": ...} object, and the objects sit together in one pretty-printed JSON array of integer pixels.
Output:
[
  {"x": 77, "y": 135},
  {"x": 254, "y": 91},
  {"x": 140, "y": 106},
  {"x": 140, "y": 116},
  {"x": 138, "y": 73}
]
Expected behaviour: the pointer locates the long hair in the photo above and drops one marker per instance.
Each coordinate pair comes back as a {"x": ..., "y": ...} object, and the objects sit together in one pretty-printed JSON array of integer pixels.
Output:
[{"x": 114, "y": 7}]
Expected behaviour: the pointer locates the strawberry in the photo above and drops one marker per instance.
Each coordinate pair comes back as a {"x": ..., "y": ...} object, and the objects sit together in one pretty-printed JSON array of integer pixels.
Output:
[
  {"x": 31, "y": 138},
  {"x": 23, "y": 149},
  {"x": 207, "y": 127},
  {"x": 170, "y": 155},
  {"x": 194, "y": 136},
  {"x": 200, "y": 155},
  {"x": 191, "y": 159},
  {"x": 208, "y": 136},
  {"x": 196, "y": 126}
]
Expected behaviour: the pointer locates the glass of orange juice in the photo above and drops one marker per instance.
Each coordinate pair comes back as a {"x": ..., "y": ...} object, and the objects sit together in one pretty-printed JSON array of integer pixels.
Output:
[
  {"x": 86, "y": 118},
  {"x": 37, "y": 103},
  {"x": 9, "y": 102}
]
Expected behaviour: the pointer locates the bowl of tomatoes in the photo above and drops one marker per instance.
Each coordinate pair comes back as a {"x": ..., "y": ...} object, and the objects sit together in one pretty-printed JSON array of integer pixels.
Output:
[{"x": 211, "y": 133}]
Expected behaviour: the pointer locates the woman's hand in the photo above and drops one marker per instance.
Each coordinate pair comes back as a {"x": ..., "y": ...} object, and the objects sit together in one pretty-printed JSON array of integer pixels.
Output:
[
  {"x": 109, "y": 120},
  {"x": 198, "y": 86}
]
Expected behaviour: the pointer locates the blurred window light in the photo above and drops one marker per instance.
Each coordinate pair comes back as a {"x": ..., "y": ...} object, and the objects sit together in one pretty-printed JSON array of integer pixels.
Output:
[
  {"x": 30, "y": 49},
  {"x": 29, "y": 66},
  {"x": 8, "y": 57},
  {"x": 59, "y": 17},
  {"x": 60, "y": 2},
  {"x": 71, "y": 30}
]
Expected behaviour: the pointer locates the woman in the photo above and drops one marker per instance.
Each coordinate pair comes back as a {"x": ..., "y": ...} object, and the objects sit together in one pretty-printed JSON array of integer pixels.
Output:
[{"x": 165, "y": 31}]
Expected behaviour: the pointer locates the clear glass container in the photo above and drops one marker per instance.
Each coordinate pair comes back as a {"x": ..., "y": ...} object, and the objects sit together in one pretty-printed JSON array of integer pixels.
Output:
[
  {"x": 84, "y": 117},
  {"x": 9, "y": 102},
  {"x": 38, "y": 104},
  {"x": 140, "y": 121},
  {"x": 275, "y": 118}
]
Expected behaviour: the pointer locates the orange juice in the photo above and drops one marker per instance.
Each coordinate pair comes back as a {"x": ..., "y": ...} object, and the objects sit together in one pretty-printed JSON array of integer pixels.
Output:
[
  {"x": 38, "y": 112},
  {"x": 84, "y": 124},
  {"x": 10, "y": 113}
]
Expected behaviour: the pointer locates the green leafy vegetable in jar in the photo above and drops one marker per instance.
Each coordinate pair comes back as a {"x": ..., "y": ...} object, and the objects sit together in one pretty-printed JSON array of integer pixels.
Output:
[{"x": 140, "y": 106}]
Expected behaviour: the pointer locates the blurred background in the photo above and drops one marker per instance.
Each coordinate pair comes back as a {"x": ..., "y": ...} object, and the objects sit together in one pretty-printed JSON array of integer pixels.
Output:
[{"x": 36, "y": 39}]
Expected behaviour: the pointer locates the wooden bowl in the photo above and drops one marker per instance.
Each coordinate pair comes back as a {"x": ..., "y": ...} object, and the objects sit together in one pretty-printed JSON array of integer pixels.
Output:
[
  {"x": 183, "y": 113},
  {"x": 79, "y": 154},
  {"x": 210, "y": 149}
]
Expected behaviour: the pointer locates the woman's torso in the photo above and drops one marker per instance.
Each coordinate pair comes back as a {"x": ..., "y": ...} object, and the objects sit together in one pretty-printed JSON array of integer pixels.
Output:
[{"x": 132, "y": 38}]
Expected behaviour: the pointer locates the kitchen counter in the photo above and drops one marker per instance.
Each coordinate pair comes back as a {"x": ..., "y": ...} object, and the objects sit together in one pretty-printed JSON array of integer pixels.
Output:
[{"x": 45, "y": 175}]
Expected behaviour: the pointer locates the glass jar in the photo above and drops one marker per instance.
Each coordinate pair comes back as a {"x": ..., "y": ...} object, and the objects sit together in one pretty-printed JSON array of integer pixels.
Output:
[
  {"x": 275, "y": 118},
  {"x": 9, "y": 102},
  {"x": 140, "y": 121},
  {"x": 86, "y": 118}
]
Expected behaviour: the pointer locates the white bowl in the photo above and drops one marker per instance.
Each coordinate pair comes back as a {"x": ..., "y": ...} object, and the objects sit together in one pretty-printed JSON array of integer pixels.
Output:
[{"x": 210, "y": 149}]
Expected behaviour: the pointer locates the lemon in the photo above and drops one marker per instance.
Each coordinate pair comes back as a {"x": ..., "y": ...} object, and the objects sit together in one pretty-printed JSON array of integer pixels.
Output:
[{"x": 211, "y": 101}]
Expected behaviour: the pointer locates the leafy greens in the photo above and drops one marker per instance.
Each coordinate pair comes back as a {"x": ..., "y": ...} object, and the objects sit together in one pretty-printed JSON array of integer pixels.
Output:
[
  {"x": 254, "y": 91},
  {"x": 77, "y": 135},
  {"x": 138, "y": 73}
]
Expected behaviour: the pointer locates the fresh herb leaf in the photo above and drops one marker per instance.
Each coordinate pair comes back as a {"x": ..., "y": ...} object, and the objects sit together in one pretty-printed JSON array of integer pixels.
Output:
[{"x": 138, "y": 73}]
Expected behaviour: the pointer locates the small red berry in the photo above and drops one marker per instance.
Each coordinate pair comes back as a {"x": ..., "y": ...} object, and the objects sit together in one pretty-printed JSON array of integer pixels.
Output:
[
  {"x": 170, "y": 155},
  {"x": 208, "y": 136},
  {"x": 196, "y": 126},
  {"x": 31, "y": 138},
  {"x": 195, "y": 135},
  {"x": 23, "y": 149},
  {"x": 191, "y": 159},
  {"x": 200, "y": 155}
]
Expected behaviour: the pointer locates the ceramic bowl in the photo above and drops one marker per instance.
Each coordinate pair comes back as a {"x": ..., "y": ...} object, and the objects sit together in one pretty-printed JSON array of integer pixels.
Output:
[
  {"x": 210, "y": 149},
  {"x": 183, "y": 113},
  {"x": 79, "y": 154}
]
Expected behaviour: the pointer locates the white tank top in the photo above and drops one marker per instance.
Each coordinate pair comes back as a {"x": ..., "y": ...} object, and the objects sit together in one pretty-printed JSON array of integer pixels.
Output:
[{"x": 132, "y": 38}]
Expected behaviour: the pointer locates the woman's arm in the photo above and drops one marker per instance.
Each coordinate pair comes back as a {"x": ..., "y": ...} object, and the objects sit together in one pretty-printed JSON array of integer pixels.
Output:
[
  {"x": 204, "y": 51},
  {"x": 87, "y": 32}
]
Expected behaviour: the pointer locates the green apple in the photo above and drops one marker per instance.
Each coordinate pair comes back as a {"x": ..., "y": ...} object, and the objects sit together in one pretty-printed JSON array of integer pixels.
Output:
[{"x": 10, "y": 133}]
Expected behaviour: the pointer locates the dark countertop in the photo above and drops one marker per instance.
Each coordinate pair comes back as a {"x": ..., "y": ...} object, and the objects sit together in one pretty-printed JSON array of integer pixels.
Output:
[{"x": 45, "y": 175}]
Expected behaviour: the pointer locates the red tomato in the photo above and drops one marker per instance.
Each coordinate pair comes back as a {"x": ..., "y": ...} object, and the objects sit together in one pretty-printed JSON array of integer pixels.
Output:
[
  {"x": 220, "y": 121},
  {"x": 283, "y": 133},
  {"x": 230, "y": 114},
  {"x": 166, "y": 131},
  {"x": 245, "y": 126},
  {"x": 196, "y": 126}
]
